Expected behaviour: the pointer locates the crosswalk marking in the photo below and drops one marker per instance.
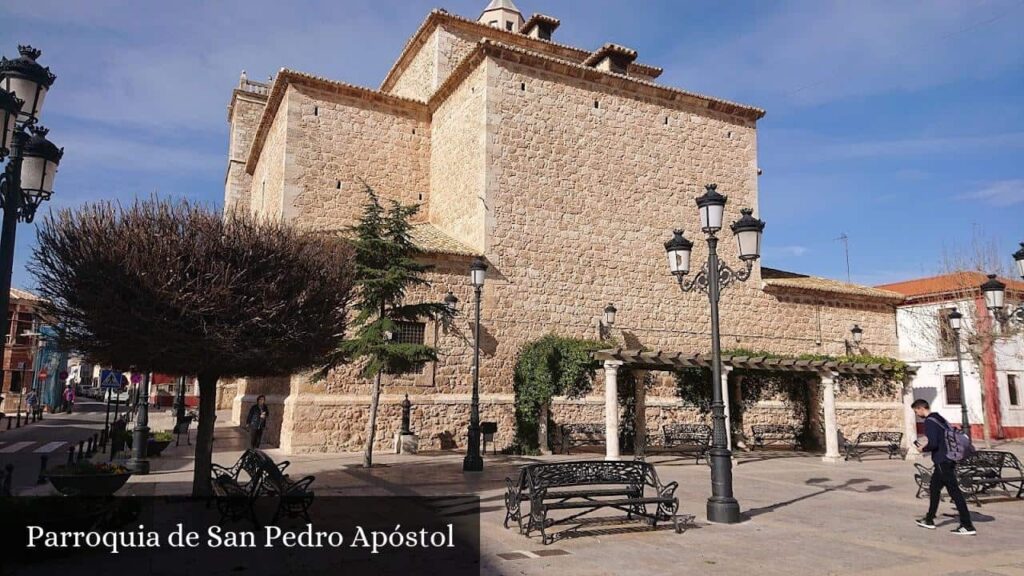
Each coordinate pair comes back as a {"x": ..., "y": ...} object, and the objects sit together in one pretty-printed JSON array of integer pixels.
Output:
[
  {"x": 49, "y": 447},
  {"x": 15, "y": 447}
]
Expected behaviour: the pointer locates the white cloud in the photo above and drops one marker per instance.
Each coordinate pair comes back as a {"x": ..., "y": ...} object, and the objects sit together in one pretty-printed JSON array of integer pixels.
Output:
[{"x": 1000, "y": 193}]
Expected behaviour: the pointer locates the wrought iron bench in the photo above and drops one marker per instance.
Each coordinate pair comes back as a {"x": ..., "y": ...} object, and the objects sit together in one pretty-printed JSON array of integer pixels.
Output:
[
  {"x": 587, "y": 486},
  {"x": 765, "y": 434},
  {"x": 688, "y": 439},
  {"x": 518, "y": 491},
  {"x": 294, "y": 497},
  {"x": 885, "y": 442},
  {"x": 582, "y": 435},
  {"x": 235, "y": 494},
  {"x": 988, "y": 469}
]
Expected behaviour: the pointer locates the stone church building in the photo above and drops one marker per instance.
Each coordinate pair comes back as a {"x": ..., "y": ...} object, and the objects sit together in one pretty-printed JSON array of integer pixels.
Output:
[{"x": 567, "y": 169}]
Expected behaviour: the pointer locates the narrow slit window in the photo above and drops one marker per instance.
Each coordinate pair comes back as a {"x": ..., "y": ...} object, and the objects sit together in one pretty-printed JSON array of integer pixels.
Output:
[
  {"x": 338, "y": 185},
  {"x": 522, "y": 86},
  {"x": 597, "y": 104},
  {"x": 316, "y": 110}
]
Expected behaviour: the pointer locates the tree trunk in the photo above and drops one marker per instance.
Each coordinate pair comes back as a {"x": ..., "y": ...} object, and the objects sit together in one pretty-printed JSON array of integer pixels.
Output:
[
  {"x": 542, "y": 430},
  {"x": 204, "y": 435},
  {"x": 371, "y": 424}
]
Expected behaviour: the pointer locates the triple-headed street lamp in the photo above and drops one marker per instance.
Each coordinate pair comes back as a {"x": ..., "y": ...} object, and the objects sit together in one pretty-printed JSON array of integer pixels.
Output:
[
  {"x": 474, "y": 462},
  {"x": 722, "y": 507},
  {"x": 32, "y": 160}
]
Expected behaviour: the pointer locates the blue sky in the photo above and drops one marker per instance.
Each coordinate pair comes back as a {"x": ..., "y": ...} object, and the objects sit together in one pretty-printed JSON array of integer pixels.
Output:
[{"x": 899, "y": 124}]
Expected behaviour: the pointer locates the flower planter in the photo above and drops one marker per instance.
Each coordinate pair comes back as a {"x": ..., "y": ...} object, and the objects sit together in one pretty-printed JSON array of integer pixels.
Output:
[
  {"x": 155, "y": 447},
  {"x": 88, "y": 484}
]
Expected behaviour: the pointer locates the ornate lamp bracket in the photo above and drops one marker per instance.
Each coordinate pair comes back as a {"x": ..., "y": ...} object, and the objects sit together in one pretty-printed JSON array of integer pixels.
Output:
[{"x": 726, "y": 276}]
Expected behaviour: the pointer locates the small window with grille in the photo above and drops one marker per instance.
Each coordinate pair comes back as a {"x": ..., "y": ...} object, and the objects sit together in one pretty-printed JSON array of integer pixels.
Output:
[{"x": 410, "y": 332}]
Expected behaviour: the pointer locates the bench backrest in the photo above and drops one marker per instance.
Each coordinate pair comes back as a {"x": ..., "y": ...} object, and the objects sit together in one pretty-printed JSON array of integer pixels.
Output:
[
  {"x": 697, "y": 433},
  {"x": 992, "y": 459},
  {"x": 590, "y": 473},
  {"x": 893, "y": 437},
  {"x": 763, "y": 429},
  {"x": 583, "y": 431}
]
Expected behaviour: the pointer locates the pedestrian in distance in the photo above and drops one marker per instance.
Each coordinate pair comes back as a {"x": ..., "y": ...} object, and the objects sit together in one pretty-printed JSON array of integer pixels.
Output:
[
  {"x": 32, "y": 400},
  {"x": 69, "y": 398},
  {"x": 944, "y": 471},
  {"x": 256, "y": 421}
]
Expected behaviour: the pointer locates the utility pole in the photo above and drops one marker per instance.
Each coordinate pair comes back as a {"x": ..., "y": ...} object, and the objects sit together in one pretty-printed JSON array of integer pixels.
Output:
[{"x": 846, "y": 248}]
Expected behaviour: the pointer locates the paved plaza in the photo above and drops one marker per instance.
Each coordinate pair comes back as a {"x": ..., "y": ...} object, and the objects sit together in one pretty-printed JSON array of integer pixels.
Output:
[{"x": 802, "y": 516}]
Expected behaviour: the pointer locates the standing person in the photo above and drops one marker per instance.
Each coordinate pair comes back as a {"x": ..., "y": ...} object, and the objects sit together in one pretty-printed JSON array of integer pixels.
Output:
[
  {"x": 944, "y": 472},
  {"x": 256, "y": 421},
  {"x": 69, "y": 398},
  {"x": 32, "y": 400}
]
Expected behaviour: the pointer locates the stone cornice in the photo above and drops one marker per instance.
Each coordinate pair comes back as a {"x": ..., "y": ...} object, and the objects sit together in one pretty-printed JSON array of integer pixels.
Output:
[
  {"x": 239, "y": 94},
  {"x": 633, "y": 84},
  {"x": 288, "y": 77},
  {"x": 439, "y": 16}
]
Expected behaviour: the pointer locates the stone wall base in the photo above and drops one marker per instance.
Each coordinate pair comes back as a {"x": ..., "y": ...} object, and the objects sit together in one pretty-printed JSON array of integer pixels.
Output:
[{"x": 319, "y": 423}]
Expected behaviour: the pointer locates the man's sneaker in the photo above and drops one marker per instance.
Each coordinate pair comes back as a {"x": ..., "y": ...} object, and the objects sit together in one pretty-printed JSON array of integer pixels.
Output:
[
  {"x": 965, "y": 530},
  {"x": 926, "y": 523}
]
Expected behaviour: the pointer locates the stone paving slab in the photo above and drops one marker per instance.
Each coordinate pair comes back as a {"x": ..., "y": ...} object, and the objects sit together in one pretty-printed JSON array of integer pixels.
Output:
[{"x": 803, "y": 516}]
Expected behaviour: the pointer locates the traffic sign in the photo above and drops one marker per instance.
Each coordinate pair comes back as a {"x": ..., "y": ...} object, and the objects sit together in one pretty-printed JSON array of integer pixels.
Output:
[{"x": 110, "y": 380}]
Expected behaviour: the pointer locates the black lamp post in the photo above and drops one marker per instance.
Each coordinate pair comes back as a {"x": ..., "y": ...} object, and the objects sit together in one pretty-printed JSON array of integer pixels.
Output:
[
  {"x": 32, "y": 163},
  {"x": 139, "y": 462},
  {"x": 955, "y": 322},
  {"x": 722, "y": 507},
  {"x": 474, "y": 462}
]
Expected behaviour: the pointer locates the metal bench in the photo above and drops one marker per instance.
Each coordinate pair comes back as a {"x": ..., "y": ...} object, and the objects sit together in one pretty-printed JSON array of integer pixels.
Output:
[
  {"x": 988, "y": 469},
  {"x": 765, "y": 434},
  {"x": 587, "y": 486},
  {"x": 517, "y": 492},
  {"x": 687, "y": 439},
  {"x": 885, "y": 442},
  {"x": 236, "y": 494},
  {"x": 582, "y": 435}
]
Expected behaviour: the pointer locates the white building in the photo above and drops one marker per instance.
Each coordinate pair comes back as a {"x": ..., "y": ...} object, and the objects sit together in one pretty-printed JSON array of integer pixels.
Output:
[{"x": 992, "y": 352}]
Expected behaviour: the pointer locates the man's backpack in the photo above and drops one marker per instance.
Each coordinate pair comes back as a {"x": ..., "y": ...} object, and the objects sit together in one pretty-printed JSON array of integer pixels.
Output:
[{"x": 958, "y": 444}]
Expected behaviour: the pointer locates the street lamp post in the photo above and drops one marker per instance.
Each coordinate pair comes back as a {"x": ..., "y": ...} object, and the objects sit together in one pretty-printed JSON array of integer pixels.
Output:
[
  {"x": 32, "y": 160},
  {"x": 955, "y": 322},
  {"x": 722, "y": 507},
  {"x": 139, "y": 463},
  {"x": 995, "y": 293},
  {"x": 474, "y": 462}
]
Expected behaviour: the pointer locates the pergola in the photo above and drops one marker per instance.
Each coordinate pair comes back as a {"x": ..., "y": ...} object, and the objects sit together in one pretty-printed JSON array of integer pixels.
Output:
[{"x": 826, "y": 371}]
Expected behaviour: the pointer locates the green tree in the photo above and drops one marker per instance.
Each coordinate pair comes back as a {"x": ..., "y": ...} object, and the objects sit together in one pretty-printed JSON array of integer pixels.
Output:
[{"x": 387, "y": 266}]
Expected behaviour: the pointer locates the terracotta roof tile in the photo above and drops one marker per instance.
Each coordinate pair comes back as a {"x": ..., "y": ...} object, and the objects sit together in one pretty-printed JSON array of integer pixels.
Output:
[
  {"x": 780, "y": 279},
  {"x": 430, "y": 238},
  {"x": 963, "y": 282}
]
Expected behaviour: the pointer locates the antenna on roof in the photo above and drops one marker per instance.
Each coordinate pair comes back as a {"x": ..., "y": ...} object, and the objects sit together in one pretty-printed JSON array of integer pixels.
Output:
[{"x": 846, "y": 248}]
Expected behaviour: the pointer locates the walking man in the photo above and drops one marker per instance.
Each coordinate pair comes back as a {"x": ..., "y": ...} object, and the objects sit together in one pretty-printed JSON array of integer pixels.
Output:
[
  {"x": 256, "y": 421},
  {"x": 69, "y": 398},
  {"x": 944, "y": 472}
]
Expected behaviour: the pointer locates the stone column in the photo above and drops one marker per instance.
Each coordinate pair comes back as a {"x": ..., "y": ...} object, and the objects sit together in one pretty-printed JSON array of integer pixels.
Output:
[
  {"x": 726, "y": 370},
  {"x": 611, "y": 409},
  {"x": 640, "y": 414},
  {"x": 909, "y": 420},
  {"x": 828, "y": 401},
  {"x": 737, "y": 387}
]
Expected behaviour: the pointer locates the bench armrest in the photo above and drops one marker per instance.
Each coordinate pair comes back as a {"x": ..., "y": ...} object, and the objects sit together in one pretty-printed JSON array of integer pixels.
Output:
[
  {"x": 281, "y": 466},
  {"x": 668, "y": 490},
  {"x": 300, "y": 485}
]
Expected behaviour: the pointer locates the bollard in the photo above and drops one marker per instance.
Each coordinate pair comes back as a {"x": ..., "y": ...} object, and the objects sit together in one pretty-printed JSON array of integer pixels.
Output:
[
  {"x": 81, "y": 451},
  {"x": 95, "y": 442},
  {"x": 18, "y": 425},
  {"x": 42, "y": 469},
  {"x": 88, "y": 446},
  {"x": 71, "y": 455},
  {"x": 8, "y": 422},
  {"x": 103, "y": 439}
]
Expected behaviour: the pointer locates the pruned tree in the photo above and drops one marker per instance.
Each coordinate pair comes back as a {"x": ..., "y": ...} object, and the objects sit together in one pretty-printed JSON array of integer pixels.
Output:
[
  {"x": 169, "y": 286},
  {"x": 387, "y": 266}
]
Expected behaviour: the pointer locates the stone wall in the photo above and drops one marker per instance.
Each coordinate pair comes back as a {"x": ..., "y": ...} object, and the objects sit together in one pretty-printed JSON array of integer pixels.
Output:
[
  {"x": 245, "y": 117},
  {"x": 341, "y": 142},
  {"x": 419, "y": 79},
  {"x": 272, "y": 173},
  {"x": 458, "y": 162}
]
